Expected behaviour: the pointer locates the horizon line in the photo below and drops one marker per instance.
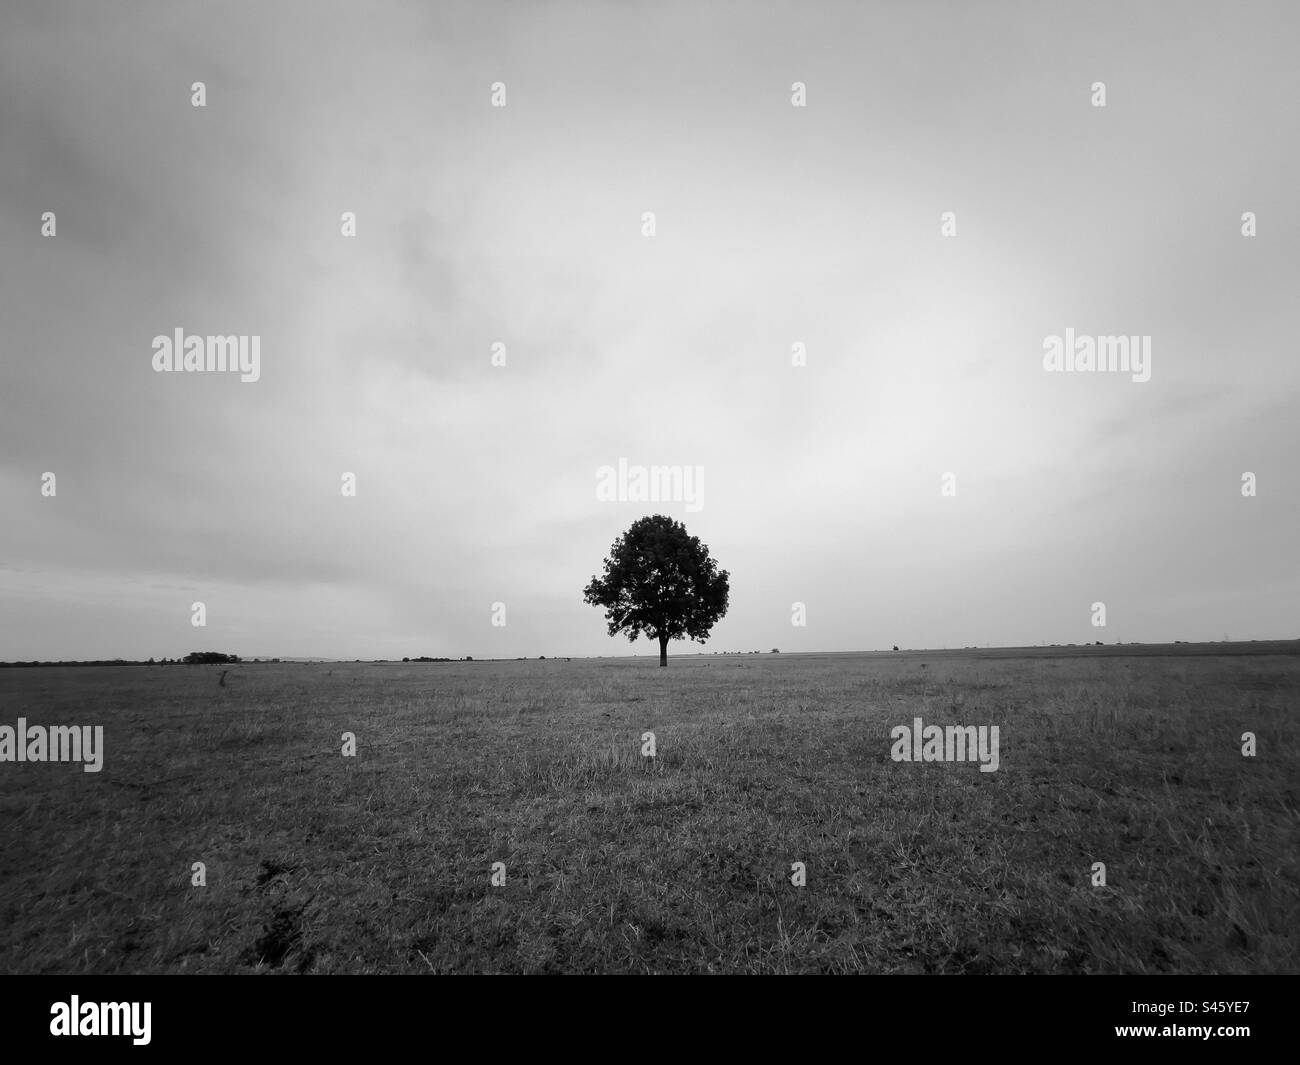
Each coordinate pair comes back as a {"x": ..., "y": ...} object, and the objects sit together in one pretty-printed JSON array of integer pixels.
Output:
[{"x": 1093, "y": 648}]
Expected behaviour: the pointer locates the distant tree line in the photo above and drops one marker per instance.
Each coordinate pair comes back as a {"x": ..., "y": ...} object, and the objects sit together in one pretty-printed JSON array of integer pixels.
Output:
[
  {"x": 95, "y": 662},
  {"x": 191, "y": 659}
]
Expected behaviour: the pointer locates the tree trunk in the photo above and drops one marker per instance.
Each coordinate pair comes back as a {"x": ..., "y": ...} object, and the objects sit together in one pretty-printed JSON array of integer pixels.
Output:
[{"x": 663, "y": 651}]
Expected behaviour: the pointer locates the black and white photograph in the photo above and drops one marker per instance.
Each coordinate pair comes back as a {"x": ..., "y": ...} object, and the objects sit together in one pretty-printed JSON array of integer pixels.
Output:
[{"x": 680, "y": 488}]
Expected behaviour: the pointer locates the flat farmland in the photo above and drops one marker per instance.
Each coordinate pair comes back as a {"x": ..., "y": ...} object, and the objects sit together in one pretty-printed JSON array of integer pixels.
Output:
[{"x": 613, "y": 861}]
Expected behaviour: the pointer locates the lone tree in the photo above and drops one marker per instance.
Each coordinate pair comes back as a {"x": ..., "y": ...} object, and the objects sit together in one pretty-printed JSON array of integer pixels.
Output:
[{"x": 661, "y": 583}]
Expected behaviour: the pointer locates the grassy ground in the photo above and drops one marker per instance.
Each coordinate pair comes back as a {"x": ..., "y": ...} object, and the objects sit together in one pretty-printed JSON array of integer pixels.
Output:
[{"x": 614, "y": 862}]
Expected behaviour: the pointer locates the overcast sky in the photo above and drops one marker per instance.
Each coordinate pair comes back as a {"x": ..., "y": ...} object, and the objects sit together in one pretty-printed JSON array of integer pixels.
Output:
[{"x": 775, "y": 225}]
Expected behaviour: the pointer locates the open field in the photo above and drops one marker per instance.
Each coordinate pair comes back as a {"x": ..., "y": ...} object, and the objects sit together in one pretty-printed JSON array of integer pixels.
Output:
[{"x": 615, "y": 862}]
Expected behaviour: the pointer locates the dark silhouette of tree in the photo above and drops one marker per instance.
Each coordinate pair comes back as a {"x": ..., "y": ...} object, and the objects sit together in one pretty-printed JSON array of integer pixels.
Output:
[{"x": 660, "y": 582}]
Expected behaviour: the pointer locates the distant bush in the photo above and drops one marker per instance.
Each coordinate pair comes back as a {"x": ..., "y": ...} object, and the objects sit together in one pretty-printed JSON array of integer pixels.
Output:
[{"x": 209, "y": 658}]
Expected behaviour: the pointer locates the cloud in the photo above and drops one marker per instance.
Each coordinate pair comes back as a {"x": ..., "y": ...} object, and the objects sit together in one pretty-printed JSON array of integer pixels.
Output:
[{"x": 522, "y": 226}]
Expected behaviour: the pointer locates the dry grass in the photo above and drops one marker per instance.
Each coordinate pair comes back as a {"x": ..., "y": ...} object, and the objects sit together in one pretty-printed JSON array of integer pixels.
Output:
[{"x": 616, "y": 863}]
